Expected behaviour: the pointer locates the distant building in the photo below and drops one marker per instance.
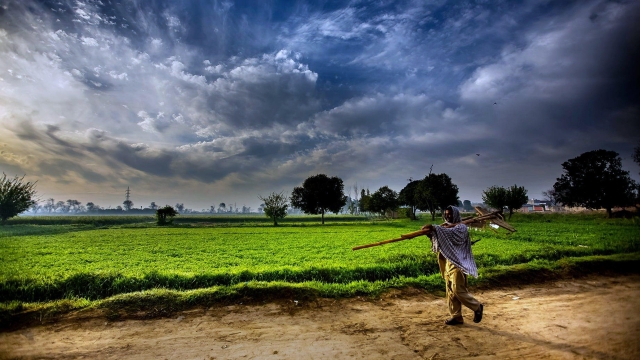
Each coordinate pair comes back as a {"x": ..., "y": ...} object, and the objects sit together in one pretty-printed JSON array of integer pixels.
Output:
[{"x": 535, "y": 205}]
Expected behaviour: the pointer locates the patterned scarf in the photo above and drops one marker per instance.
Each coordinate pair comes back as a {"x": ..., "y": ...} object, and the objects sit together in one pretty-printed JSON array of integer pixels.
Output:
[{"x": 455, "y": 245}]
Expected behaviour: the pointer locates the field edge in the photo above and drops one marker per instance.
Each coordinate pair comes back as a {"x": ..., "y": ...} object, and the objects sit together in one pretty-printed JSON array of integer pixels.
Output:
[{"x": 162, "y": 302}]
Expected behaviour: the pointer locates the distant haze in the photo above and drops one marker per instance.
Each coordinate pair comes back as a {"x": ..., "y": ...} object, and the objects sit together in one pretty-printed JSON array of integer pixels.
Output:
[{"x": 202, "y": 102}]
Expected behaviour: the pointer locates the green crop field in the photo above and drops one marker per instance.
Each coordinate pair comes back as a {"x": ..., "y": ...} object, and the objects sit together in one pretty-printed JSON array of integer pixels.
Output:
[{"x": 97, "y": 260}]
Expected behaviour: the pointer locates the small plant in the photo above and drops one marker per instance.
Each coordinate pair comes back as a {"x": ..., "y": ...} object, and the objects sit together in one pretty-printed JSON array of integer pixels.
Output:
[{"x": 165, "y": 215}]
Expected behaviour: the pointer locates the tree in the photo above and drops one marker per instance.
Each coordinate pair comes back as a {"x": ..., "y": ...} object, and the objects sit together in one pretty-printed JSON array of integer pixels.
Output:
[
  {"x": 62, "y": 206},
  {"x": 595, "y": 180},
  {"x": 466, "y": 205},
  {"x": 153, "y": 206},
  {"x": 383, "y": 200},
  {"x": 409, "y": 196},
  {"x": 74, "y": 205},
  {"x": 35, "y": 207},
  {"x": 222, "y": 207},
  {"x": 365, "y": 199},
  {"x": 495, "y": 197},
  {"x": 355, "y": 197},
  {"x": 636, "y": 155},
  {"x": 180, "y": 207},
  {"x": 275, "y": 206},
  {"x": 516, "y": 197},
  {"x": 319, "y": 194},
  {"x": 165, "y": 215},
  {"x": 550, "y": 197},
  {"x": 436, "y": 192},
  {"x": 16, "y": 196},
  {"x": 92, "y": 207},
  {"x": 128, "y": 205},
  {"x": 50, "y": 204}
]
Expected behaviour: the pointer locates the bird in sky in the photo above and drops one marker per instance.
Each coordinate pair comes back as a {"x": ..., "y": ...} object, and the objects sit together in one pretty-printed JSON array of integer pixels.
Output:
[{"x": 478, "y": 154}]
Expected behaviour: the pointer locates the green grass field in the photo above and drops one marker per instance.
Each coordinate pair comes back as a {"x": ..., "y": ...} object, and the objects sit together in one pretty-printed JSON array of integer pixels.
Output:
[{"x": 90, "y": 260}]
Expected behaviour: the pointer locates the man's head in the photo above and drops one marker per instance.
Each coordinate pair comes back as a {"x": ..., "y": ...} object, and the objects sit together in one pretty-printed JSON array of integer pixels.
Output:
[{"x": 452, "y": 215}]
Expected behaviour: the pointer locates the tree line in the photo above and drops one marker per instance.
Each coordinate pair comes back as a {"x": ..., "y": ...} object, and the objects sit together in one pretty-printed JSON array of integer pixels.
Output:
[{"x": 593, "y": 180}]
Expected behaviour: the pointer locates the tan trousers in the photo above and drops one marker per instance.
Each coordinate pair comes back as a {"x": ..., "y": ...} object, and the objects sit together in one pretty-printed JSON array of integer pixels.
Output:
[{"x": 457, "y": 293}]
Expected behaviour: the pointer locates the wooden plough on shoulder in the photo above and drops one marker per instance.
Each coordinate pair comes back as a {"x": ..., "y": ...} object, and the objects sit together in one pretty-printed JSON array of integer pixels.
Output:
[{"x": 483, "y": 217}]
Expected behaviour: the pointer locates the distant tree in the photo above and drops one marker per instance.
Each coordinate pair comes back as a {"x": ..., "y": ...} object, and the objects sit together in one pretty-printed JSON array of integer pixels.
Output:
[
  {"x": 466, "y": 205},
  {"x": 165, "y": 215},
  {"x": 409, "y": 196},
  {"x": 495, "y": 197},
  {"x": 92, "y": 207},
  {"x": 35, "y": 208},
  {"x": 127, "y": 204},
  {"x": 180, "y": 207},
  {"x": 516, "y": 197},
  {"x": 119, "y": 208},
  {"x": 550, "y": 197},
  {"x": 153, "y": 206},
  {"x": 595, "y": 179},
  {"x": 636, "y": 155},
  {"x": 16, "y": 196},
  {"x": 355, "y": 198},
  {"x": 74, "y": 205},
  {"x": 275, "y": 206},
  {"x": 365, "y": 200},
  {"x": 222, "y": 207},
  {"x": 436, "y": 192},
  {"x": 383, "y": 200},
  {"x": 50, "y": 205},
  {"x": 62, "y": 206},
  {"x": 319, "y": 194}
]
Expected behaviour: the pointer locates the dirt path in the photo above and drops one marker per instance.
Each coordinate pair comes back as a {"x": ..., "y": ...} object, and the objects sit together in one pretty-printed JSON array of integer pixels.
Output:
[{"x": 595, "y": 317}]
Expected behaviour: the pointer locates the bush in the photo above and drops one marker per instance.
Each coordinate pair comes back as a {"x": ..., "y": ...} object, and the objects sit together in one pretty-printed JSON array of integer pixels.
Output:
[{"x": 165, "y": 215}]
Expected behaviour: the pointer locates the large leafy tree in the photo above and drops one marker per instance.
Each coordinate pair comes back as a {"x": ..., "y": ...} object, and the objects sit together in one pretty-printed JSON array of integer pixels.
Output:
[
  {"x": 499, "y": 197},
  {"x": 409, "y": 196},
  {"x": 595, "y": 180},
  {"x": 516, "y": 197},
  {"x": 495, "y": 197},
  {"x": 435, "y": 193},
  {"x": 275, "y": 206},
  {"x": 319, "y": 194},
  {"x": 16, "y": 196},
  {"x": 383, "y": 200}
]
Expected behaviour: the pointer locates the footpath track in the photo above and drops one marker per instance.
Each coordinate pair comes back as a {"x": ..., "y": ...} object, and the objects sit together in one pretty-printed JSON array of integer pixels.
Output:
[{"x": 591, "y": 317}]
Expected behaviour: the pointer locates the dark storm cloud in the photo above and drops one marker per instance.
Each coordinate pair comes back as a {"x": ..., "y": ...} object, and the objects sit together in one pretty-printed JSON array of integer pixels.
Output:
[{"x": 245, "y": 94}]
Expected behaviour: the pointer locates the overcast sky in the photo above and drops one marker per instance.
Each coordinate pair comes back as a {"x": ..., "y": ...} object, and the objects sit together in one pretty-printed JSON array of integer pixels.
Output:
[{"x": 202, "y": 102}]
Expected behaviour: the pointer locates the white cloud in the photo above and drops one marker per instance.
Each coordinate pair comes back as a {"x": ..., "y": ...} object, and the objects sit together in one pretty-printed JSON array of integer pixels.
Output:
[{"x": 121, "y": 76}]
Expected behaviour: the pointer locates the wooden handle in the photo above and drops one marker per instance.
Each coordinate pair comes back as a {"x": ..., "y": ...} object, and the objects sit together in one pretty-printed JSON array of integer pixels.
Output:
[{"x": 494, "y": 216}]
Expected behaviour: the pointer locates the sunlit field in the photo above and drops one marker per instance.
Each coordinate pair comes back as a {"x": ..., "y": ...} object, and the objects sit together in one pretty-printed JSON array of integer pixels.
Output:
[{"x": 97, "y": 257}]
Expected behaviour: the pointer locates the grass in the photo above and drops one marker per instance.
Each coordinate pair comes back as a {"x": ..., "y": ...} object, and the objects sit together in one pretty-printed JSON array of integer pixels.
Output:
[{"x": 79, "y": 262}]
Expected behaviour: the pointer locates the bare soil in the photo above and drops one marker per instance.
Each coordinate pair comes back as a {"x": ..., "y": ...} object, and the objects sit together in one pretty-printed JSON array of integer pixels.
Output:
[{"x": 594, "y": 317}]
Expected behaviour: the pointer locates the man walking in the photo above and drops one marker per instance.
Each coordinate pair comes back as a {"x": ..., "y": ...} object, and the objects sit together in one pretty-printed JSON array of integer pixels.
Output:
[{"x": 452, "y": 244}]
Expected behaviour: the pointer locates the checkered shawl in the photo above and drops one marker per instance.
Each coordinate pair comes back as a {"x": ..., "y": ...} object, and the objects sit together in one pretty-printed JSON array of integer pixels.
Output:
[{"x": 455, "y": 245}]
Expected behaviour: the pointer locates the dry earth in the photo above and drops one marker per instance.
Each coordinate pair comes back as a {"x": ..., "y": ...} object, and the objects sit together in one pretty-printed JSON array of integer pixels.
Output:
[{"x": 593, "y": 317}]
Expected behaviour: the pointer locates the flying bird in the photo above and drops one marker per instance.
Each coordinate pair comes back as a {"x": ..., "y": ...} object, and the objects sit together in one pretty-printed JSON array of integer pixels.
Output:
[
  {"x": 478, "y": 154},
  {"x": 495, "y": 103}
]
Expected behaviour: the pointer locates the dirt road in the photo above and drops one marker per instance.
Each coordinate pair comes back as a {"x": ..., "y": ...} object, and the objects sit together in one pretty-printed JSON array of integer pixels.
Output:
[{"x": 595, "y": 317}]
